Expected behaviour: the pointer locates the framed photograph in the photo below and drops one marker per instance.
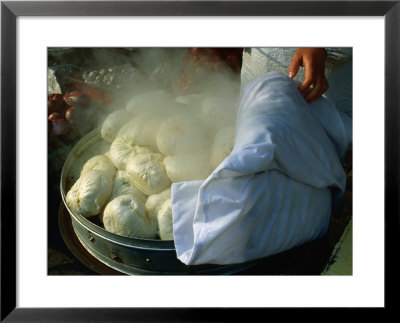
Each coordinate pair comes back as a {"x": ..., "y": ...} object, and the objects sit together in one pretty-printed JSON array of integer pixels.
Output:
[{"x": 39, "y": 35}]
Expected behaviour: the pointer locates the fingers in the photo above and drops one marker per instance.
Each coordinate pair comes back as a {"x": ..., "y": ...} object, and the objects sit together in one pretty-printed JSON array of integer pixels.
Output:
[
  {"x": 294, "y": 66},
  {"x": 311, "y": 76},
  {"x": 305, "y": 86},
  {"x": 316, "y": 90},
  {"x": 313, "y": 60},
  {"x": 314, "y": 84}
]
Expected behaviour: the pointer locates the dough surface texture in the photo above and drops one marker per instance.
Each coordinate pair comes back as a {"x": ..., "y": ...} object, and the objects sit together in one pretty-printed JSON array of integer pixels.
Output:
[
  {"x": 155, "y": 201},
  {"x": 165, "y": 224},
  {"x": 122, "y": 186},
  {"x": 182, "y": 134},
  {"x": 191, "y": 167},
  {"x": 147, "y": 173},
  {"x": 89, "y": 193},
  {"x": 99, "y": 162},
  {"x": 127, "y": 216},
  {"x": 113, "y": 123},
  {"x": 124, "y": 148}
]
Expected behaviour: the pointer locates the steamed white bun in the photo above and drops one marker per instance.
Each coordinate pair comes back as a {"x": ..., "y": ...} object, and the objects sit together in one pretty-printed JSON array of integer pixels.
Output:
[
  {"x": 127, "y": 216},
  {"x": 147, "y": 173},
  {"x": 89, "y": 193},
  {"x": 224, "y": 141},
  {"x": 113, "y": 123},
  {"x": 155, "y": 201},
  {"x": 108, "y": 155},
  {"x": 182, "y": 134},
  {"x": 123, "y": 148},
  {"x": 99, "y": 162},
  {"x": 143, "y": 129},
  {"x": 218, "y": 112},
  {"x": 192, "y": 167},
  {"x": 165, "y": 224},
  {"x": 122, "y": 186}
]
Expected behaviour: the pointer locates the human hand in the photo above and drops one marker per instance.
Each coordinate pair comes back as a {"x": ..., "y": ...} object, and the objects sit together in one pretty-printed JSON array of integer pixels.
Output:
[{"x": 313, "y": 61}]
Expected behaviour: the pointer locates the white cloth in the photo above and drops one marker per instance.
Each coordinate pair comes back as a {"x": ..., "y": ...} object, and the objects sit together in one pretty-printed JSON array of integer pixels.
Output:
[
  {"x": 338, "y": 70},
  {"x": 274, "y": 191}
]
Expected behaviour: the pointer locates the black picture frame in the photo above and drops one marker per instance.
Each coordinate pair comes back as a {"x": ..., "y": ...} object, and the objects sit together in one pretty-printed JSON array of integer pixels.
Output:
[{"x": 10, "y": 10}]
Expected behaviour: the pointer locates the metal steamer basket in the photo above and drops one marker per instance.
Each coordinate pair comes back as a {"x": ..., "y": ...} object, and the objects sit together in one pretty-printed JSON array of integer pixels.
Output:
[{"x": 126, "y": 255}]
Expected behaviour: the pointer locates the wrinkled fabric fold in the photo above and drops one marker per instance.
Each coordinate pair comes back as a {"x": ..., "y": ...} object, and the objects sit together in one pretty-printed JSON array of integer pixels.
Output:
[{"x": 276, "y": 189}]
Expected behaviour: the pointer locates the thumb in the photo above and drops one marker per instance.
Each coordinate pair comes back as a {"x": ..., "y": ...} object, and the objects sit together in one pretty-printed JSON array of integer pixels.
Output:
[{"x": 294, "y": 66}]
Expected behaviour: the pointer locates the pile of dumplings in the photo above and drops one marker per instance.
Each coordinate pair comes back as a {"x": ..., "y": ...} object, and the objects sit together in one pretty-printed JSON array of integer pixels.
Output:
[{"x": 157, "y": 140}]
